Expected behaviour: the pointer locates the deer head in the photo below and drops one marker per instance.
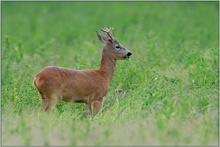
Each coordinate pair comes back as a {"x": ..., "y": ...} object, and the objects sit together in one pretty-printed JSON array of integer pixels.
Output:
[{"x": 115, "y": 49}]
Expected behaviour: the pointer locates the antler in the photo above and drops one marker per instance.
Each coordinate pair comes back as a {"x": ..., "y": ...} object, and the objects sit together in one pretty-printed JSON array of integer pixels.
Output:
[{"x": 108, "y": 32}]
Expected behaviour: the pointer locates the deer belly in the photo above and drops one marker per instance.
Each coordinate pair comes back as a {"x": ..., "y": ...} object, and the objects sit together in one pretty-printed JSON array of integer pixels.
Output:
[{"x": 74, "y": 99}]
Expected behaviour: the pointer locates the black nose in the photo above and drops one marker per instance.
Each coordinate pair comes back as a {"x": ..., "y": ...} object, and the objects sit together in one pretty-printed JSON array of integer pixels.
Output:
[{"x": 129, "y": 54}]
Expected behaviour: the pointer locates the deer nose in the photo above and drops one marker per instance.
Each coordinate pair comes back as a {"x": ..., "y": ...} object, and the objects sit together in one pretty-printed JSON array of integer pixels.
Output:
[{"x": 129, "y": 54}]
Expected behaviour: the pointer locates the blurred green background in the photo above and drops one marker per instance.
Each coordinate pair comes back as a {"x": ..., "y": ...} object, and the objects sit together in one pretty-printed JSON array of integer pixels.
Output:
[{"x": 170, "y": 84}]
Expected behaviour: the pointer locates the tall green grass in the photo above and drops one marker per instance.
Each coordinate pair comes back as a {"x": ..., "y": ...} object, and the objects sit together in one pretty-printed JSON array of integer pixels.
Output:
[{"x": 170, "y": 84}]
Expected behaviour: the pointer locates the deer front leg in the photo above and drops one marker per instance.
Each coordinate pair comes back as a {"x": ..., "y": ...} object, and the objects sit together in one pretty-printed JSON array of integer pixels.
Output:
[
  {"x": 92, "y": 108},
  {"x": 88, "y": 108},
  {"x": 96, "y": 106}
]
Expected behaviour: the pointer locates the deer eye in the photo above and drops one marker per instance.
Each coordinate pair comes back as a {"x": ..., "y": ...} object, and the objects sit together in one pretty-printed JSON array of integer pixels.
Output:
[{"x": 118, "y": 47}]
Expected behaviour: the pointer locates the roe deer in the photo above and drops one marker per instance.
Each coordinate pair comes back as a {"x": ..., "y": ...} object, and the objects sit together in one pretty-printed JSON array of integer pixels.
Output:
[{"x": 85, "y": 86}]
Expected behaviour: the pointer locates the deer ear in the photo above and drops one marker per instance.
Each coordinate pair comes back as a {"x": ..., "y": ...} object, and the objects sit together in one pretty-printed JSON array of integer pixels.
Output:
[{"x": 100, "y": 37}]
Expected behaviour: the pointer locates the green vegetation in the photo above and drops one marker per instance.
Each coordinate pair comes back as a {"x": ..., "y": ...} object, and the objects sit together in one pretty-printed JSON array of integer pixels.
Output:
[{"x": 170, "y": 84}]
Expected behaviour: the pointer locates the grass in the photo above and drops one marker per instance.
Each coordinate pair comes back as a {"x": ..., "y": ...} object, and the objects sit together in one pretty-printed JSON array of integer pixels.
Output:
[{"x": 170, "y": 85}]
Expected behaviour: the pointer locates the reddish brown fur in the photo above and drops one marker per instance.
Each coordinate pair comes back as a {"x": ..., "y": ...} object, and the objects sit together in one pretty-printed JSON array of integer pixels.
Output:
[{"x": 86, "y": 86}]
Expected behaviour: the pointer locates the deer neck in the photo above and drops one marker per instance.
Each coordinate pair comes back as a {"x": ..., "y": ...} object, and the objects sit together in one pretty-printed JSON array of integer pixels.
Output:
[{"x": 107, "y": 65}]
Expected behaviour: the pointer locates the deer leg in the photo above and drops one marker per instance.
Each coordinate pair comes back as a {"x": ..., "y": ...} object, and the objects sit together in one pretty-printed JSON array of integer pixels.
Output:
[
  {"x": 96, "y": 106},
  {"x": 44, "y": 102},
  {"x": 60, "y": 98},
  {"x": 48, "y": 105},
  {"x": 47, "y": 102},
  {"x": 88, "y": 108}
]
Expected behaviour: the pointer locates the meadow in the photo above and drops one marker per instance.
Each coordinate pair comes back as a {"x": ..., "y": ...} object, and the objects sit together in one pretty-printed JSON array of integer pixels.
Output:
[{"x": 170, "y": 84}]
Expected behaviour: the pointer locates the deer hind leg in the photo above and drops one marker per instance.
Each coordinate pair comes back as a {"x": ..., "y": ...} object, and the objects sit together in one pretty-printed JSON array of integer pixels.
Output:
[
  {"x": 47, "y": 102},
  {"x": 44, "y": 101}
]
